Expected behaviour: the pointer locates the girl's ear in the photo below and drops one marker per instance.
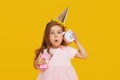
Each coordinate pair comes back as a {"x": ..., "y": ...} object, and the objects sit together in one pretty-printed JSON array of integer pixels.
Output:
[{"x": 63, "y": 33}]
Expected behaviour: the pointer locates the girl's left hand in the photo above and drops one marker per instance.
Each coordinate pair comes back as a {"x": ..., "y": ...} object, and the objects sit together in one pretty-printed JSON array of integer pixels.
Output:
[{"x": 75, "y": 36}]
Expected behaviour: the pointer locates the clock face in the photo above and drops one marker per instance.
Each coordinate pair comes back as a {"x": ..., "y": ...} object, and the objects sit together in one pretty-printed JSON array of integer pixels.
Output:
[{"x": 69, "y": 37}]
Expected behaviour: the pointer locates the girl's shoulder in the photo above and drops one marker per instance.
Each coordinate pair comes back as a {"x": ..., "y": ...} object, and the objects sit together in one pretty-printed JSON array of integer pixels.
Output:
[
  {"x": 45, "y": 51},
  {"x": 68, "y": 47},
  {"x": 70, "y": 51}
]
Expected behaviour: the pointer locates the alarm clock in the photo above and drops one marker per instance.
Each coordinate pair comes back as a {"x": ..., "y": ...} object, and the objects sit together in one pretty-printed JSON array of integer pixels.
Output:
[{"x": 68, "y": 37}]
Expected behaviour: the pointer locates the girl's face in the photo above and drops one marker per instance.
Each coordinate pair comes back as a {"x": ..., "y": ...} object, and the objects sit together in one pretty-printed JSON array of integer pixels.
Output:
[{"x": 56, "y": 36}]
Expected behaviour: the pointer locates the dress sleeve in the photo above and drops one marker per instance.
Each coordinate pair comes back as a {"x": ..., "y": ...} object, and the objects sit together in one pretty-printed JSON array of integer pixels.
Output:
[{"x": 71, "y": 52}]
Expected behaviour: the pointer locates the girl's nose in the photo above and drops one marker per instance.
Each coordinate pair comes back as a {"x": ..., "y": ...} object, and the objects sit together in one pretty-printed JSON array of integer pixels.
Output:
[{"x": 56, "y": 35}]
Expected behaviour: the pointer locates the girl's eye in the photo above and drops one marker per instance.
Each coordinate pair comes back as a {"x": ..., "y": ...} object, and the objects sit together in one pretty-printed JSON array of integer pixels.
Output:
[
  {"x": 59, "y": 32},
  {"x": 51, "y": 32}
]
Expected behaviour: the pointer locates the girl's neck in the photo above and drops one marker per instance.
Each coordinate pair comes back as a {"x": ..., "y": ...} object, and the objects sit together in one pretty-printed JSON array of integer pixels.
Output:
[{"x": 55, "y": 47}]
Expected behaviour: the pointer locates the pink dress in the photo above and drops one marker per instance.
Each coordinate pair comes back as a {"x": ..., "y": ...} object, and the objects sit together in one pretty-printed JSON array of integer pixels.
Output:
[{"x": 59, "y": 66}]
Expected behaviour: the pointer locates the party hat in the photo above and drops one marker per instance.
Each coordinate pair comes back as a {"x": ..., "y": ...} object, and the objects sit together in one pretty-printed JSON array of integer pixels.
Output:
[{"x": 62, "y": 17}]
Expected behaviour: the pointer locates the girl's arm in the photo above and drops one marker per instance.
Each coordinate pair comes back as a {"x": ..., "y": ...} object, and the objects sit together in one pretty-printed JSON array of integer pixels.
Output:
[
  {"x": 81, "y": 53},
  {"x": 36, "y": 65}
]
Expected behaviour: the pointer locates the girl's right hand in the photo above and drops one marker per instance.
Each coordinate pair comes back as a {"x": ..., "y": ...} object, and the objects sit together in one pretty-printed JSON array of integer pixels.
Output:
[{"x": 40, "y": 60}]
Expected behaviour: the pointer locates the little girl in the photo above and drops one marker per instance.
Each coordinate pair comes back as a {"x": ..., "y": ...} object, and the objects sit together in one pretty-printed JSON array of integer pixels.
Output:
[{"x": 59, "y": 63}]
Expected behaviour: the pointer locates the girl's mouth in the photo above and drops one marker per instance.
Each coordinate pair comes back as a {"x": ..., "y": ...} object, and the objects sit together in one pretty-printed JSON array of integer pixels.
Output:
[{"x": 56, "y": 40}]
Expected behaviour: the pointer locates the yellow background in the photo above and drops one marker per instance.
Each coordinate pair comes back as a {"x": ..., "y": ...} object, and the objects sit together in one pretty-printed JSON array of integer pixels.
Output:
[{"x": 96, "y": 23}]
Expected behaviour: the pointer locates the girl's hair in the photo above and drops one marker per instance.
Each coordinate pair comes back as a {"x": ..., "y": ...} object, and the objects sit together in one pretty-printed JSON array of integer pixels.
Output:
[{"x": 46, "y": 41}]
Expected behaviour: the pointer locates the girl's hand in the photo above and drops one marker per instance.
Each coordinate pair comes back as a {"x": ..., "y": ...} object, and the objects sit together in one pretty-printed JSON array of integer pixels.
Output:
[
  {"x": 75, "y": 37},
  {"x": 40, "y": 61}
]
